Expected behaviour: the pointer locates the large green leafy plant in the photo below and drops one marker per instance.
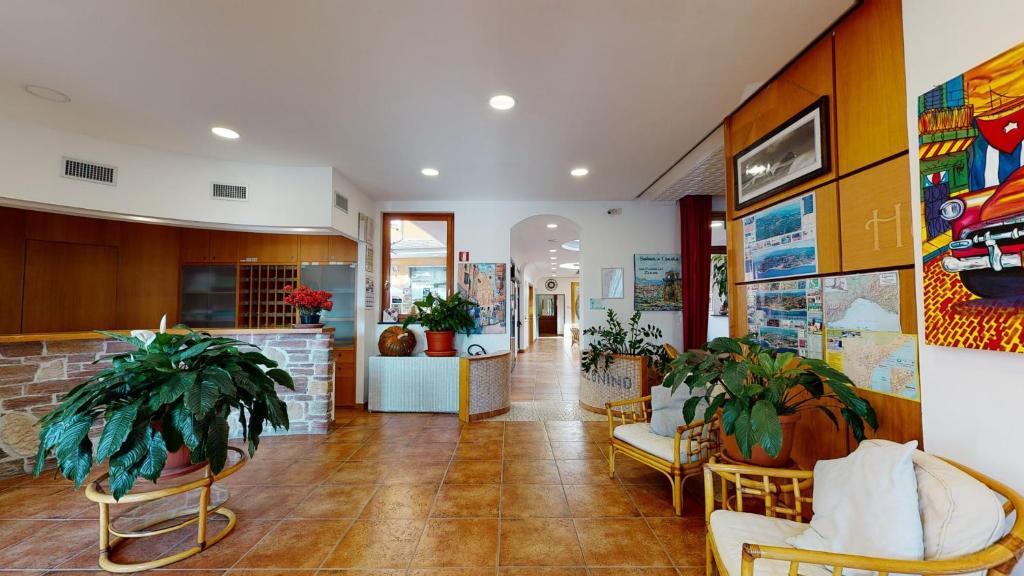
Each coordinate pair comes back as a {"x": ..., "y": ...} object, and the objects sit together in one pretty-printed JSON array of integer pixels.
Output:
[
  {"x": 173, "y": 390},
  {"x": 754, "y": 385},
  {"x": 720, "y": 278},
  {"x": 631, "y": 340},
  {"x": 443, "y": 315}
]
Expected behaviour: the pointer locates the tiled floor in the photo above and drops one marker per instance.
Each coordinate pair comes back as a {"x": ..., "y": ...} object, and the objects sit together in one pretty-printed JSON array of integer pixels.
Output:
[
  {"x": 546, "y": 384},
  {"x": 409, "y": 494}
]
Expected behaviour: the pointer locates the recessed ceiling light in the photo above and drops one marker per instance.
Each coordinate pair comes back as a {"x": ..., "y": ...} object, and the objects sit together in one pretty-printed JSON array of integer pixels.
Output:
[
  {"x": 717, "y": 223},
  {"x": 552, "y": 225},
  {"x": 579, "y": 172},
  {"x": 572, "y": 245},
  {"x": 502, "y": 102},
  {"x": 430, "y": 172},
  {"x": 571, "y": 266},
  {"x": 226, "y": 133},
  {"x": 48, "y": 94},
  {"x": 553, "y": 250},
  {"x": 554, "y": 258}
]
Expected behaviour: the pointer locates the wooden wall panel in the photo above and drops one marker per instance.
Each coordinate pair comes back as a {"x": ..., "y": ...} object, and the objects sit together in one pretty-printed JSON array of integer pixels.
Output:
[
  {"x": 12, "y": 268},
  {"x": 908, "y": 302},
  {"x": 69, "y": 287},
  {"x": 314, "y": 248},
  {"x": 223, "y": 246},
  {"x": 828, "y": 230},
  {"x": 804, "y": 82},
  {"x": 269, "y": 248},
  {"x": 195, "y": 246},
  {"x": 899, "y": 419},
  {"x": 73, "y": 229},
  {"x": 871, "y": 102},
  {"x": 876, "y": 220},
  {"x": 343, "y": 250},
  {"x": 148, "y": 275}
]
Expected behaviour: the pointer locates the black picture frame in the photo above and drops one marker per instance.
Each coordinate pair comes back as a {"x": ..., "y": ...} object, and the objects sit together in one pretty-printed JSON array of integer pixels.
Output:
[{"x": 816, "y": 116}]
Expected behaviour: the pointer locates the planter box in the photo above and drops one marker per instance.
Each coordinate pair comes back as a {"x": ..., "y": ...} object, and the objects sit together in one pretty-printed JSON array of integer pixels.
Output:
[{"x": 625, "y": 378}]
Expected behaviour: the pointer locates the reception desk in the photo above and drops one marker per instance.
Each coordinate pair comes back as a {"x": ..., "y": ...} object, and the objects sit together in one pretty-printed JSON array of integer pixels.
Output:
[{"x": 37, "y": 370}]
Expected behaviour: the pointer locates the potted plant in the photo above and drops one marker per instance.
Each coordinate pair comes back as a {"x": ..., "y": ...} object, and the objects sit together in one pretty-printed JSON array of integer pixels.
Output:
[
  {"x": 442, "y": 318},
  {"x": 616, "y": 339},
  {"x": 720, "y": 279},
  {"x": 760, "y": 393},
  {"x": 165, "y": 408},
  {"x": 309, "y": 302}
]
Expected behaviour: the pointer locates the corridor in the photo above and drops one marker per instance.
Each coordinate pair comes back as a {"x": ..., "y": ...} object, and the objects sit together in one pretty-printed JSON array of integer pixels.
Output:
[{"x": 546, "y": 383}]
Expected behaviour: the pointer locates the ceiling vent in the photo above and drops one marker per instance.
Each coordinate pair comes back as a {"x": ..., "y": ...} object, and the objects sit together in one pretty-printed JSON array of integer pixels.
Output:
[
  {"x": 90, "y": 172},
  {"x": 340, "y": 202},
  {"x": 229, "y": 192}
]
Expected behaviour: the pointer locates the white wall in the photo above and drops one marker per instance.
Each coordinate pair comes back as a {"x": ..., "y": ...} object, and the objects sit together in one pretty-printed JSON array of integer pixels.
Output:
[
  {"x": 971, "y": 399},
  {"x": 156, "y": 184}
]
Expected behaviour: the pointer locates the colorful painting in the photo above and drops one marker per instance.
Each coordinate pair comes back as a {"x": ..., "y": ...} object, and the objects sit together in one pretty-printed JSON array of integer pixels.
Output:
[
  {"x": 657, "y": 283},
  {"x": 780, "y": 241},
  {"x": 972, "y": 206},
  {"x": 787, "y": 315},
  {"x": 485, "y": 285}
]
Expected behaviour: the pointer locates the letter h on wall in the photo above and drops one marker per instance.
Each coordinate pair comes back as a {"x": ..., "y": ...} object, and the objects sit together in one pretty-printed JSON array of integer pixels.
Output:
[{"x": 873, "y": 223}]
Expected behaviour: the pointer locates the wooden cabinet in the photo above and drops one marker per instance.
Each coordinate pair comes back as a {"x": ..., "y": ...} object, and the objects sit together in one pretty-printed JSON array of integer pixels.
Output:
[
  {"x": 147, "y": 278},
  {"x": 314, "y": 248},
  {"x": 345, "y": 377},
  {"x": 342, "y": 249},
  {"x": 71, "y": 229},
  {"x": 12, "y": 264},
  {"x": 269, "y": 248},
  {"x": 870, "y": 85},
  {"x": 202, "y": 246}
]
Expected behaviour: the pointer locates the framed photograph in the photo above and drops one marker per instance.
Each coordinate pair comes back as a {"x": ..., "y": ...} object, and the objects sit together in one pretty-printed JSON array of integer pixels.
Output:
[
  {"x": 611, "y": 283},
  {"x": 657, "y": 283},
  {"x": 795, "y": 152}
]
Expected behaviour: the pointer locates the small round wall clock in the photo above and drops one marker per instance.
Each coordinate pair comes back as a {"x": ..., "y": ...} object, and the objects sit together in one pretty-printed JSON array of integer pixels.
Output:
[{"x": 551, "y": 284}]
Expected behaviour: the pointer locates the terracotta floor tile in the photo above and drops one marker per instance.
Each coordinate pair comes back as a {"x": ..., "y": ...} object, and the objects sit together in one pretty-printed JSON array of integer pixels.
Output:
[
  {"x": 599, "y": 500},
  {"x": 530, "y": 472},
  {"x": 418, "y": 473},
  {"x": 682, "y": 538},
  {"x": 335, "y": 501},
  {"x": 584, "y": 471},
  {"x": 655, "y": 500},
  {"x": 377, "y": 544},
  {"x": 43, "y": 501},
  {"x": 448, "y": 572},
  {"x": 630, "y": 471},
  {"x": 488, "y": 450},
  {"x": 243, "y": 572},
  {"x": 360, "y": 472},
  {"x": 132, "y": 551},
  {"x": 619, "y": 542},
  {"x": 474, "y": 472},
  {"x": 295, "y": 544},
  {"x": 466, "y": 501},
  {"x": 635, "y": 572},
  {"x": 227, "y": 552},
  {"x": 52, "y": 545},
  {"x": 400, "y": 501},
  {"x": 539, "y": 542},
  {"x": 576, "y": 450},
  {"x": 533, "y": 501},
  {"x": 254, "y": 502},
  {"x": 529, "y": 450},
  {"x": 336, "y": 451},
  {"x": 541, "y": 571},
  {"x": 475, "y": 543},
  {"x": 12, "y": 531}
]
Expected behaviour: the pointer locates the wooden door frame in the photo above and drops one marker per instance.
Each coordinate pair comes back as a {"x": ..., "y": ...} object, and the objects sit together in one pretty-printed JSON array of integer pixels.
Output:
[
  {"x": 385, "y": 262},
  {"x": 531, "y": 308}
]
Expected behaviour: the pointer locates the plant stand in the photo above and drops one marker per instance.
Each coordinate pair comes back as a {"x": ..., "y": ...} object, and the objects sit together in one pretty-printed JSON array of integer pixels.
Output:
[{"x": 190, "y": 501}]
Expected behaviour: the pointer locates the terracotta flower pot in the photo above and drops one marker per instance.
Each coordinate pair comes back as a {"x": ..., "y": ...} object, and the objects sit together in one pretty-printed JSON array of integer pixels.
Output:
[
  {"x": 178, "y": 462},
  {"x": 758, "y": 457},
  {"x": 441, "y": 343}
]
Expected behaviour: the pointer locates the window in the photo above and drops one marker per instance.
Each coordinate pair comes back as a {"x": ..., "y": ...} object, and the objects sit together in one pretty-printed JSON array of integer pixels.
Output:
[{"x": 417, "y": 259}]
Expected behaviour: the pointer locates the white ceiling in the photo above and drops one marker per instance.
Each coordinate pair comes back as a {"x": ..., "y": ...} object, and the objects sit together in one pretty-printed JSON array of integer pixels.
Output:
[
  {"x": 532, "y": 242},
  {"x": 382, "y": 88}
]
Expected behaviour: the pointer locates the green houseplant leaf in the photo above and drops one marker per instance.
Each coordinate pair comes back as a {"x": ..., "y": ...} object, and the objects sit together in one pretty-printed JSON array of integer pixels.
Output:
[
  {"x": 630, "y": 340},
  {"x": 438, "y": 314},
  {"x": 172, "y": 391}
]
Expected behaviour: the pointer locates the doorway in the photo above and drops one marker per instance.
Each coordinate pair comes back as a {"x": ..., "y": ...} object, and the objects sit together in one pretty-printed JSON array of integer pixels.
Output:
[
  {"x": 529, "y": 335},
  {"x": 550, "y": 315}
]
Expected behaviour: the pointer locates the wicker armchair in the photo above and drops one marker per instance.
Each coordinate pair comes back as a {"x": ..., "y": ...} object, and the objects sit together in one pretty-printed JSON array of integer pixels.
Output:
[
  {"x": 784, "y": 496},
  {"x": 677, "y": 458}
]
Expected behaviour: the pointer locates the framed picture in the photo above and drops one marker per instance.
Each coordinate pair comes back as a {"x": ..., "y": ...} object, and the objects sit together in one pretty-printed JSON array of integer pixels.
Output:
[
  {"x": 611, "y": 283},
  {"x": 657, "y": 283},
  {"x": 795, "y": 152}
]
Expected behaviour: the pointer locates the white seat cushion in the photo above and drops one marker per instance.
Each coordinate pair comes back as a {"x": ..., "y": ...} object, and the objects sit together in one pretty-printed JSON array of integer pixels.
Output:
[
  {"x": 731, "y": 530},
  {"x": 641, "y": 436}
]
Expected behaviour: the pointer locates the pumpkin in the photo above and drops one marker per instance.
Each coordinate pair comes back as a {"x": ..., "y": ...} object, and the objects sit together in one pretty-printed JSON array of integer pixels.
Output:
[{"x": 396, "y": 341}]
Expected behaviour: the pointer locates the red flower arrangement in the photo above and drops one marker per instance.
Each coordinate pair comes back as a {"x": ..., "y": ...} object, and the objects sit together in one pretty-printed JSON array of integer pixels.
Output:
[{"x": 307, "y": 300}]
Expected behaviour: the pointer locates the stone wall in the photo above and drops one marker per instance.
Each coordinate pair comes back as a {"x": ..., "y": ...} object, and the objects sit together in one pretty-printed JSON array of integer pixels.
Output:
[{"x": 34, "y": 376}]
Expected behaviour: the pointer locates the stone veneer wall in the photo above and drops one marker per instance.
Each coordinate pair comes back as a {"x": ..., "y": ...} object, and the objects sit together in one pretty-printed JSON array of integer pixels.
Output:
[{"x": 34, "y": 376}]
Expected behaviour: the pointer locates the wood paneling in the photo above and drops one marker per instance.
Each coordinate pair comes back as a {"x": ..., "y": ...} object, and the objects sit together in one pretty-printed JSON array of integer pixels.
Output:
[
  {"x": 314, "y": 248},
  {"x": 223, "y": 246},
  {"x": 73, "y": 229},
  {"x": 800, "y": 85},
  {"x": 195, "y": 245},
  {"x": 871, "y": 103},
  {"x": 12, "y": 268},
  {"x": 829, "y": 256},
  {"x": 269, "y": 248},
  {"x": 908, "y": 302},
  {"x": 899, "y": 419},
  {"x": 876, "y": 220},
  {"x": 148, "y": 275},
  {"x": 69, "y": 287},
  {"x": 345, "y": 377},
  {"x": 342, "y": 249}
]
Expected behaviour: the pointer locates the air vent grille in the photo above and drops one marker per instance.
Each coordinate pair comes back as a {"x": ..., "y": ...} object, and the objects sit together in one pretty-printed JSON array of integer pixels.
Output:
[
  {"x": 340, "y": 202},
  {"x": 90, "y": 172},
  {"x": 229, "y": 192}
]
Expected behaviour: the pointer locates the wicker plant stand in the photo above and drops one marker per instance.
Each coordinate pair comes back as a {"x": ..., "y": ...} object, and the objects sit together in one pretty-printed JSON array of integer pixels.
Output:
[{"x": 190, "y": 501}]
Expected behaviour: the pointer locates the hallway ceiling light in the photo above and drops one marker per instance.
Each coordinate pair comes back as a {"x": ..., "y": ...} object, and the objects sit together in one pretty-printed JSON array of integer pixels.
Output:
[
  {"x": 225, "y": 133},
  {"x": 572, "y": 245},
  {"x": 553, "y": 250},
  {"x": 570, "y": 266},
  {"x": 502, "y": 102},
  {"x": 579, "y": 172},
  {"x": 430, "y": 172},
  {"x": 552, "y": 225},
  {"x": 48, "y": 94},
  {"x": 554, "y": 258}
]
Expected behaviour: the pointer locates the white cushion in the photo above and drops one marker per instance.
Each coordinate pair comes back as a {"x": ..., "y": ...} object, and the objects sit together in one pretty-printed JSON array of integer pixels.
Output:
[
  {"x": 866, "y": 504},
  {"x": 641, "y": 436},
  {"x": 731, "y": 530},
  {"x": 667, "y": 409},
  {"x": 959, "y": 514}
]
